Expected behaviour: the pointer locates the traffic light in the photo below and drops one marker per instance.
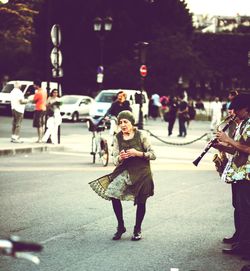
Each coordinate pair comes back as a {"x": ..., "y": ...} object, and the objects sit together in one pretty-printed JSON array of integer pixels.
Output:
[
  {"x": 140, "y": 51},
  {"x": 143, "y": 49},
  {"x": 137, "y": 51}
]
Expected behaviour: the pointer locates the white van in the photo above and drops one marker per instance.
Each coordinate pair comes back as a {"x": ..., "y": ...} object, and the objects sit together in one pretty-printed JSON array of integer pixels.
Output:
[
  {"x": 26, "y": 87},
  {"x": 104, "y": 100}
]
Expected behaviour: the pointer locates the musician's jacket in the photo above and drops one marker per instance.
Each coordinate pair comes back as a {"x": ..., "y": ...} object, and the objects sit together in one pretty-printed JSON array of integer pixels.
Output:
[{"x": 240, "y": 163}]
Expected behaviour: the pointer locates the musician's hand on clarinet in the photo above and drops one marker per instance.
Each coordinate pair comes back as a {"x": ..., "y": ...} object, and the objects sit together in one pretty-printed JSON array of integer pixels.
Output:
[{"x": 222, "y": 137}]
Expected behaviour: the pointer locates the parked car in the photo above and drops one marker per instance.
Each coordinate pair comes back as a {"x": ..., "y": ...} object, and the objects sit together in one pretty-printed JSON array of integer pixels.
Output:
[
  {"x": 26, "y": 87},
  {"x": 75, "y": 107},
  {"x": 104, "y": 100}
]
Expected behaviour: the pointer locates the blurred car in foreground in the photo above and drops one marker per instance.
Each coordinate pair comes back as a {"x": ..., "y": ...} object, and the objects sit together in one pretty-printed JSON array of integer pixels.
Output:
[{"x": 75, "y": 107}]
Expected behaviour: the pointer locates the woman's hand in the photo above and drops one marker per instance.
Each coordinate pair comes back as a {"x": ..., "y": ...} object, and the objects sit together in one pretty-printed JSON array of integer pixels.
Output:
[
  {"x": 133, "y": 152},
  {"x": 123, "y": 155},
  {"x": 129, "y": 153}
]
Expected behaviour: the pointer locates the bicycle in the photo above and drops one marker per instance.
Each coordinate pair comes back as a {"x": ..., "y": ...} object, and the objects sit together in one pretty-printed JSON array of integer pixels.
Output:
[
  {"x": 13, "y": 247},
  {"x": 99, "y": 145}
]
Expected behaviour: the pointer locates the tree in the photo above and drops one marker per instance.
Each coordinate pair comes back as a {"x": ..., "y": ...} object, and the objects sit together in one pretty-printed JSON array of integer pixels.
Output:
[
  {"x": 133, "y": 20},
  {"x": 16, "y": 34},
  {"x": 225, "y": 55}
]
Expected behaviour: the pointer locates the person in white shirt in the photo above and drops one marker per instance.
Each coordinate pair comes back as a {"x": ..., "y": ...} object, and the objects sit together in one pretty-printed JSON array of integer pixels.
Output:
[
  {"x": 216, "y": 111},
  {"x": 54, "y": 117},
  {"x": 156, "y": 105},
  {"x": 17, "y": 106}
]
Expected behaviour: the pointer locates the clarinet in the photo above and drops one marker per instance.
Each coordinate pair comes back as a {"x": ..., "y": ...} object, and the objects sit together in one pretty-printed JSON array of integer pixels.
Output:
[{"x": 212, "y": 142}]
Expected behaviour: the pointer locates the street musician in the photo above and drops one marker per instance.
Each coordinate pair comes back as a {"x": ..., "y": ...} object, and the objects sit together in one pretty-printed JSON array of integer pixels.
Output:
[{"x": 238, "y": 170}]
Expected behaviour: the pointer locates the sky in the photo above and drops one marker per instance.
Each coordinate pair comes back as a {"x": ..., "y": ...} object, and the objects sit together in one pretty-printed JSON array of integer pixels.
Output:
[{"x": 219, "y": 7}]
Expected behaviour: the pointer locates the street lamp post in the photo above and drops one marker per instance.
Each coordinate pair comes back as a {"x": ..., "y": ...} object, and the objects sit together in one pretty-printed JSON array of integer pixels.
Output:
[
  {"x": 141, "y": 51},
  {"x": 101, "y": 27}
]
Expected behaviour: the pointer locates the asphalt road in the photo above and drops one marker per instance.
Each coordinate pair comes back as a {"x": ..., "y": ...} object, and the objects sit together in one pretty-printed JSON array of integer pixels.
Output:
[{"x": 46, "y": 198}]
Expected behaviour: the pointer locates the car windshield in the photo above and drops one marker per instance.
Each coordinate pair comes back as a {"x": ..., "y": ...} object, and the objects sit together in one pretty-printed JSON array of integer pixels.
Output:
[
  {"x": 69, "y": 99},
  {"x": 105, "y": 97},
  {"x": 8, "y": 88}
]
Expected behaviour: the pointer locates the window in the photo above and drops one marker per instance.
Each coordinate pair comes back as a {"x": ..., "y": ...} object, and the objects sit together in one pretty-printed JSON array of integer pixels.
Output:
[
  {"x": 30, "y": 91},
  {"x": 105, "y": 97},
  {"x": 8, "y": 88}
]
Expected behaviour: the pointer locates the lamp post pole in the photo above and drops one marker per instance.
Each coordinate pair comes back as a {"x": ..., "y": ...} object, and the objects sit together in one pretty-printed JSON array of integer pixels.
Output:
[
  {"x": 142, "y": 50},
  {"x": 101, "y": 27}
]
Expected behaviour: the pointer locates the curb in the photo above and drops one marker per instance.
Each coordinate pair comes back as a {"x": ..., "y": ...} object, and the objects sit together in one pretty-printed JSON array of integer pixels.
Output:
[{"x": 22, "y": 150}]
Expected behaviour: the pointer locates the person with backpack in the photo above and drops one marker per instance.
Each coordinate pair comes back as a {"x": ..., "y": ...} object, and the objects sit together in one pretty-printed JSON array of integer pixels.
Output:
[{"x": 164, "y": 100}]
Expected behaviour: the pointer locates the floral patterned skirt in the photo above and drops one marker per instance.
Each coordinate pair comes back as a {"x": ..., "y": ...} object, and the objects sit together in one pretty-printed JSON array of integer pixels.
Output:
[{"x": 118, "y": 187}]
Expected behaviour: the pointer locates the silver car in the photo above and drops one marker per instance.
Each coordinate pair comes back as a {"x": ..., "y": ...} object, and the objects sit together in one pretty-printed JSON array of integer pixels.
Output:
[{"x": 75, "y": 107}]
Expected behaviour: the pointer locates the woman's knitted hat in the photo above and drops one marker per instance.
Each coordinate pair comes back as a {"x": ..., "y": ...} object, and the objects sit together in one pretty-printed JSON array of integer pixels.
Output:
[{"x": 126, "y": 114}]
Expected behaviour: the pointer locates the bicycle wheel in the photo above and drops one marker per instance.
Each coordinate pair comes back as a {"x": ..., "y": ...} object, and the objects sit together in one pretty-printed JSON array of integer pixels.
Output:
[
  {"x": 104, "y": 153},
  {"x": 94, "y": 149}
]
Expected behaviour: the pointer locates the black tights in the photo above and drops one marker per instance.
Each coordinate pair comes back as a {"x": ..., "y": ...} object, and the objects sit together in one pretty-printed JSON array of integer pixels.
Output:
[{"x": 140, "y": 213}]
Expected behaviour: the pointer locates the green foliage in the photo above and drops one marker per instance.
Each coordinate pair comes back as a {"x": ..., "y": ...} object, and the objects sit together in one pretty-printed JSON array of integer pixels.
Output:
[
  {"x": 216, "y": 60},
  {"x": 225, "y": 56},
  {"x": 133, "y": 21},
  {"x": 16, "y": 34}
]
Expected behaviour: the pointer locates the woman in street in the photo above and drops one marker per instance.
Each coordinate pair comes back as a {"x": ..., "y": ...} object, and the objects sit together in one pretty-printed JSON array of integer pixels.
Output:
[
  {"x": 54, "y": 117},
  {"x": 132, "y": 177}
]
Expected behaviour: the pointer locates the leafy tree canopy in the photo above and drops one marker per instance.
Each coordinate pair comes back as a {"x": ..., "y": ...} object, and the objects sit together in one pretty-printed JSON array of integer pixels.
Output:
[
  {"x": 16, "y": 32},
  {"x": 133, "y": 21}
]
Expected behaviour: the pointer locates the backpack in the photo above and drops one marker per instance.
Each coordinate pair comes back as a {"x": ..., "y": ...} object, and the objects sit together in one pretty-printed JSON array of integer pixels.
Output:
[{"x": 164, "y": 102}]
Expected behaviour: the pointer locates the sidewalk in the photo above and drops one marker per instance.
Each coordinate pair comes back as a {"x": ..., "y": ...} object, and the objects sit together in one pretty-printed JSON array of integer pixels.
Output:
[
  {"x": 76, "y": 142},
  {"x": 28, "y": 146}
]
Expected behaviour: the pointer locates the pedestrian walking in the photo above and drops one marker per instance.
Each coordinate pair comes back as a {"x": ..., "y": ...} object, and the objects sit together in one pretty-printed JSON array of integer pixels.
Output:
[
  {"x": 155, "y": 106},
  {"x": 183, "y": 116},
  {"x": 40, "y": 99},
  {"x": 171, "y": 114},
  {"x": 216, "y": 113},
  {"x": 54, "y": 117},
  {"x": 238, "y": 171},
  {"x": 17, "y": 107},
  {"x": 164, "y": 100}
]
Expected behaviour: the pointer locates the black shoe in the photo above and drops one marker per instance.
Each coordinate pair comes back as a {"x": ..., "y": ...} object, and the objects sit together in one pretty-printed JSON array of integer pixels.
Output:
[
  {"x": 235, "y": 250},
  {"x": 119, "y": 233},
  {"x": 136, "y": 235},
  {"x": 230, "y": 240}
]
